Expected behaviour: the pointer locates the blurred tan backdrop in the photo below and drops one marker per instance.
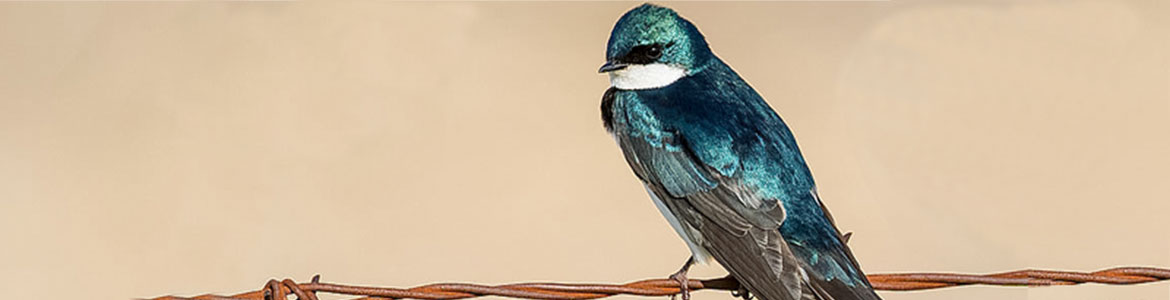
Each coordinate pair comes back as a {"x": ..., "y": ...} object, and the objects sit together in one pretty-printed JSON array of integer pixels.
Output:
[{"x": 182, "y": 148}]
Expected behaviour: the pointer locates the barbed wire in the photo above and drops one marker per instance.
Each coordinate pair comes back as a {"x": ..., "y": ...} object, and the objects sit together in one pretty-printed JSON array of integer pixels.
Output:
[{"x": 668, "y": 287}]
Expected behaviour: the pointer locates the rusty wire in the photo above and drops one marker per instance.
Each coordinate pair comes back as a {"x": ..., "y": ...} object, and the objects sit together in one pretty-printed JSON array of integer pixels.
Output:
[{"x": 667, "y": 287}]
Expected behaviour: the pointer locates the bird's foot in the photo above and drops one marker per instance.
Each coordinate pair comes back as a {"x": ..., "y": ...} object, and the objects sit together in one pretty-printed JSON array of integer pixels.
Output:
[
  {"x": 738, "y": 289},
  {"x": 742, "y": 292},
  {"x": 683, "y": 284}
]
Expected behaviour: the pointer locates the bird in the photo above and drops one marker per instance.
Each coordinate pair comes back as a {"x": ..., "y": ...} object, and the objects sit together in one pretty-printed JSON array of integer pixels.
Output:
[{"x": 720, "y": 164}]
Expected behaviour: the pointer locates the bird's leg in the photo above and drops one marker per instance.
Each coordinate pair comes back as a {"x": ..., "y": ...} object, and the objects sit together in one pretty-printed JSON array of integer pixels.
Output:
[{"x": 683, "y": 282}]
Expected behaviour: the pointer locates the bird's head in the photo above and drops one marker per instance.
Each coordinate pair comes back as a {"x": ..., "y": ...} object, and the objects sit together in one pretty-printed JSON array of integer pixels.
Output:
[{"x": 651, "y": 47}]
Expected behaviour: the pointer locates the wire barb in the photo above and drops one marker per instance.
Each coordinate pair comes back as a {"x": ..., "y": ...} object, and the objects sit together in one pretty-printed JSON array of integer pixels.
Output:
[{"x": 274, "y": 290}]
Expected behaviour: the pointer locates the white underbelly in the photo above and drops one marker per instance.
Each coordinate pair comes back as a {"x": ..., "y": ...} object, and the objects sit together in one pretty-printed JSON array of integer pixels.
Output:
[{"x": 700, "y": 253}]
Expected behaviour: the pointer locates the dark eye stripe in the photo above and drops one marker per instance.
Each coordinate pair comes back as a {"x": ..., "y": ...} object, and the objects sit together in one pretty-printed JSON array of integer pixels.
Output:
[{"x": 644, "y": 54}]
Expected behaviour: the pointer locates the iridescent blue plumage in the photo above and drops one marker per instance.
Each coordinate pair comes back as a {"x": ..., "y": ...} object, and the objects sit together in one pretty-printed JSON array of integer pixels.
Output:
[{"x": 710, "y": 148}]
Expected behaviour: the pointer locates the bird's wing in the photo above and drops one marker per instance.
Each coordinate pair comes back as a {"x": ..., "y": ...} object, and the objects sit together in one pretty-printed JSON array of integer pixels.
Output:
[
  {"x": 699, "y": 174},
  {"x": 754, "y": 253}
]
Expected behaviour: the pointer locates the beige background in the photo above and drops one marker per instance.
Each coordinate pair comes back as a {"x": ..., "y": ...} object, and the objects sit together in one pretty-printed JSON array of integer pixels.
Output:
[{"x": 158, "y": 148}]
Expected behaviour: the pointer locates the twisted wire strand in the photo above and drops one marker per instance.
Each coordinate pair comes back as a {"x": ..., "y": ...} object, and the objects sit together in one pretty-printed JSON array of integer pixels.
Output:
[{"x": 274, "y": 289}]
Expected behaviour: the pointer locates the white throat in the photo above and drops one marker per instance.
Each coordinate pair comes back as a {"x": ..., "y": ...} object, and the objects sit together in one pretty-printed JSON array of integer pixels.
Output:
[{"x": 648, "y": 76}]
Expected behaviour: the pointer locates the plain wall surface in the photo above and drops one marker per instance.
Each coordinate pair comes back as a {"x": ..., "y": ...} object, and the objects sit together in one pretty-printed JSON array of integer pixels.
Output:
[{"x": 183, "y": 148}]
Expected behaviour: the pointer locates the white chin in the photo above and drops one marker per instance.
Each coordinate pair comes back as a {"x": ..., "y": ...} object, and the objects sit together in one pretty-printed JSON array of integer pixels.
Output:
[{"x": 648, "y": 76}]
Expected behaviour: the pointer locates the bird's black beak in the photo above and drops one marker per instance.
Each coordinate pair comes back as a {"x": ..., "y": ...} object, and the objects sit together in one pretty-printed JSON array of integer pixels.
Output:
[{"x": 611, "y": 66}]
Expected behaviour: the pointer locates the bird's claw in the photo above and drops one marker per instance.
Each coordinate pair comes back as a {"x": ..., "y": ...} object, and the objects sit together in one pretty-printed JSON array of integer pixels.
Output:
[
  {"x": 742, "y": 292},
  {"x": 683, "y": 285}
]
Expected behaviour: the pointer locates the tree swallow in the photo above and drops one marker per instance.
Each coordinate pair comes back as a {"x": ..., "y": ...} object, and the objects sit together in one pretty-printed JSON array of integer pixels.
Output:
[{"x": 720, "y": 164}]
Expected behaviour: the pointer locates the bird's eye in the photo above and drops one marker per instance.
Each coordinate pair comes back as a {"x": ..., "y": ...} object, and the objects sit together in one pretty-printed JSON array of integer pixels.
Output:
[
  {"x": 654, "y": 52},
  {"x": 644, "y": 54}
]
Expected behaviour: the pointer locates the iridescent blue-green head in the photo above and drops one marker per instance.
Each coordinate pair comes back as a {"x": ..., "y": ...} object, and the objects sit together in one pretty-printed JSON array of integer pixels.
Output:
[{"x": 652, "y": 46}]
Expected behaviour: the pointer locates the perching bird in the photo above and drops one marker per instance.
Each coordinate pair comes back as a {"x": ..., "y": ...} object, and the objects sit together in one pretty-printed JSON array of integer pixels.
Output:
[{"x": 720, "y": 164}]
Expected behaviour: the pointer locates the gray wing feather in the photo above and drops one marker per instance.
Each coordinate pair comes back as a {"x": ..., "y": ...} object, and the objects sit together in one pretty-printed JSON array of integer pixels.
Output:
[{"x": 745, "y": 240}]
